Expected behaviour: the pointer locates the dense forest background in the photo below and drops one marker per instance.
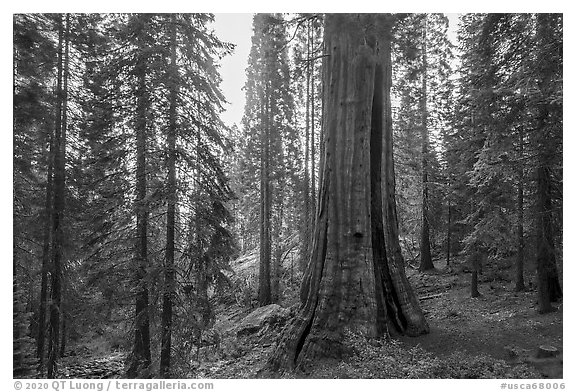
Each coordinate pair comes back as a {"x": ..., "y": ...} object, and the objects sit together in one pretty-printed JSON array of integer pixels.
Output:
[{"x": 152, "y": 238}]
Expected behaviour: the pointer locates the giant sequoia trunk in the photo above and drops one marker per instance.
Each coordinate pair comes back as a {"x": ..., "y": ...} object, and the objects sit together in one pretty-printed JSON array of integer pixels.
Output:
[{"x": 354, "y": 280}]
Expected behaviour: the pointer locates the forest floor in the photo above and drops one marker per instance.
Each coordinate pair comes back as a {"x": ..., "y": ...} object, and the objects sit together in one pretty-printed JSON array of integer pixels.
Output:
[
  {"x": 493, "y": 336},
  {"x": 501, "y": 323}
]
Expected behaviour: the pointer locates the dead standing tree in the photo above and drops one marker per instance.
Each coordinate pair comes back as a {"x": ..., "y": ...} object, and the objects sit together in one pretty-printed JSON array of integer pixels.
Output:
[{"x": 355, "y": 279}]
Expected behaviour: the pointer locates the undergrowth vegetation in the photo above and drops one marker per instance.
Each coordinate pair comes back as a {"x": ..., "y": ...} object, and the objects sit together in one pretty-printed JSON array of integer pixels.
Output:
[{"x": 389, "y": 358}]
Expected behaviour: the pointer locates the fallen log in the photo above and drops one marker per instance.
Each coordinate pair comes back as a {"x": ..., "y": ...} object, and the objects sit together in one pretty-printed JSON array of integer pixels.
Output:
[{"x": 430, "y": 297}]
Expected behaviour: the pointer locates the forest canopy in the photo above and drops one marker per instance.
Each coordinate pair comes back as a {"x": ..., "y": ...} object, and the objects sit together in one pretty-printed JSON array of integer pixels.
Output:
[{"x": 377, "y": 156}]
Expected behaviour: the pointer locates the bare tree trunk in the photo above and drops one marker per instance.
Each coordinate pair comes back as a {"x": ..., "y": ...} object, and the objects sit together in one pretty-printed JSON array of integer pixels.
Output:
[
  {"x": 63, "y": 335},
  {"x": 202, "y": 301},
  {"x": 312, "y": 132},
  {"x": 169, "y": 273},
  {"x": 548, "y": 281},
  {"x": 306, "y": 221},
  {"x": 46, "y": 256},
  {"x": 476, "y": 260},
  {"x": 425, "y": 255},
  {"x": 549, "y": 289},
  {"x": 449, "y": 233},
  {"x": 264, "y": 289},
  {"x": 140, "y": 358},
  {"x": 349, "y": 283},
  {"x": 520, "y": 224},
  {"x": 276, "y": 265},
  {"x": 59, "y": 196}
]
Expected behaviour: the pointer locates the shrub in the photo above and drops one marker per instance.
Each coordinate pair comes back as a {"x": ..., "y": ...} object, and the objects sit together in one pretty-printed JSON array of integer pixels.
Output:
[{"x": 386, "y": 358}]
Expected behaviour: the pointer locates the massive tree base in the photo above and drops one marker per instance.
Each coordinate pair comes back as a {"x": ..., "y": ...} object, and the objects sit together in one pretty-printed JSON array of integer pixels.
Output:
[
  {"x": 355, "y": 280},
  {"x": 301, "y": 344}
]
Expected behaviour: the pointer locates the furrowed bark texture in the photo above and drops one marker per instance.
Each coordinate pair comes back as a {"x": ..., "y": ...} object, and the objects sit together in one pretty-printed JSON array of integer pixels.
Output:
[
  {"x": 351, "y": 283},
  {"x": 405, "y": 302}
]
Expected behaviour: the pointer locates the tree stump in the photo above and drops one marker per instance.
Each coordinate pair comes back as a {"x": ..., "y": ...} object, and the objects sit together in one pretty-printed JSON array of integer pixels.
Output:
[{"x": 546, "y": 351}]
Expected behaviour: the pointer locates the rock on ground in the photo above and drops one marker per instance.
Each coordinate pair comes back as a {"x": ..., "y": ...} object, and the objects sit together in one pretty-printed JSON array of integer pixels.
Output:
[{"x": 269, "y": 315}]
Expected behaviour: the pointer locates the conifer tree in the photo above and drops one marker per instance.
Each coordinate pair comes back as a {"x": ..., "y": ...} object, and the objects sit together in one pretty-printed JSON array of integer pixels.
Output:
[{"x": 268, "y": 114}]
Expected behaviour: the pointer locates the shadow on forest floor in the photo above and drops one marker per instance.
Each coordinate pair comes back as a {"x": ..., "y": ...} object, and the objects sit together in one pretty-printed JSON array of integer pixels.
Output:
[
  {"x": 493, "y": 336},
  {"x": 501, "y": 323}
]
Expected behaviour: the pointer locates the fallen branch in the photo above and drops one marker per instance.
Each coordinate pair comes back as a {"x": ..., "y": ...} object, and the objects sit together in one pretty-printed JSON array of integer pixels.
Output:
[{"x": 430, "y": 297}]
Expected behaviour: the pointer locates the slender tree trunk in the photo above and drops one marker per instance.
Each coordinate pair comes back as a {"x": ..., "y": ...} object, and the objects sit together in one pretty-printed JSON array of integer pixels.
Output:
[
  {"x": 63, "y": 336},
  {"x": 477, "y": 259},
  {"x": 449, "y": 233},
  {"x": 312, "y": 133},
  {"x": 520, "y": 223},
  {"x": 46, "y": 242},
  {"x": 63, "y": 165},
  {"x": 548, "y": 282},
  {"x": 140, "y": 358},
  {"x": 549, "y": 289},
  {"x": 59, "y": 196},
  {"x": 306, "y": 221},
  {"x": 202, "y": 302},
  {"x": 425, "y": 255},
  {"x": 169, "y": 284},
  {"x": 276, "y": 266},
  {"x": 17, "y": 332},
  {"x": 279, "y": 192},
  {"x": 264, "y": 289},
  {"x": 349, "y": 283}
]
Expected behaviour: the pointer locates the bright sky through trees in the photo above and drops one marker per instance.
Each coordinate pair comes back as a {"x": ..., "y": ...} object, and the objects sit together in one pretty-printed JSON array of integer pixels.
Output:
[{"x": 237, "y": 29}]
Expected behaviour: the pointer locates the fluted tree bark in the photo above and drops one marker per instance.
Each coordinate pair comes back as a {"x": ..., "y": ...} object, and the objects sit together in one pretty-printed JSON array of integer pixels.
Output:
[{"x": 355, "y": 280}]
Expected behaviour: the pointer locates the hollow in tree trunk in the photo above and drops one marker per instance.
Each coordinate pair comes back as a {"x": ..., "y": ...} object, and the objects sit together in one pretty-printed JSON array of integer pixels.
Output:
[{"x": 351, "y": 283}]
